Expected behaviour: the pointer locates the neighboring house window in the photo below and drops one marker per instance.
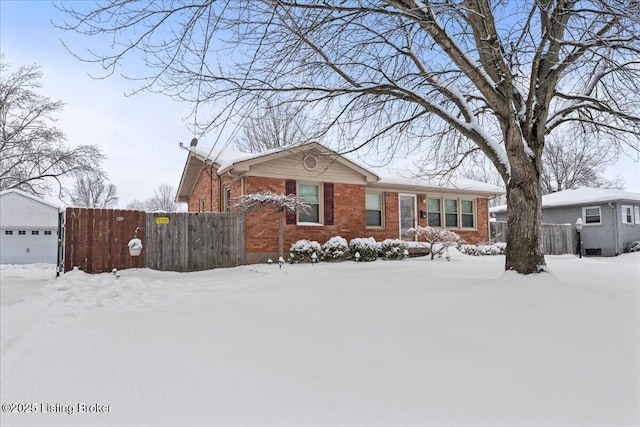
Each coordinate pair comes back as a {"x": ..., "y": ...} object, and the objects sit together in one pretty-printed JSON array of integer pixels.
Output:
[
  {"x": 636, "y": 213},
  {"x": 47, "y": 232},
  {"x": 627, "y": 214},
  {"x": 201, "y": 205},
  {"x": 311, "y": 194},
  {"x": 466, "y": 212},
  {"x": 22, "y": 232},
  {"x": 373, "y": 207},
  {"x": 227, "y": 199},
  {"x": 591, "y": 215},
  {"x": 451, "y": 213},
  {"x": 434, "y": 211},
  {"x": 8, "y": 232},
  {"x": 35, "y": 232}
]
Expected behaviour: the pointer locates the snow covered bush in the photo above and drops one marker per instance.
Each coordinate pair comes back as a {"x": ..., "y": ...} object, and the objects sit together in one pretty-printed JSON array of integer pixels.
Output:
[
  {"x": 302, "y": 250},
  {"x": 366, "y": 247},
  {"x": 478, "y": 250},
  {"x": 393, "y": 248},
  {"x": 632, "y": 247},
  {"x": 335, "y": 249},
  {"x": 439, "y": 239}
]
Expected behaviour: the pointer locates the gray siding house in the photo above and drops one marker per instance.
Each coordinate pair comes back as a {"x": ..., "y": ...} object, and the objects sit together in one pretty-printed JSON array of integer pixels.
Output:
[{"x": 610, "y": 218}]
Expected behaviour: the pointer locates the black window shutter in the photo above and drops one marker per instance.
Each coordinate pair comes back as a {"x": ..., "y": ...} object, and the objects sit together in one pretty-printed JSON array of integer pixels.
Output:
[
  {"x": 290, "y": 189},
  {"x": 328, "y": 203}
]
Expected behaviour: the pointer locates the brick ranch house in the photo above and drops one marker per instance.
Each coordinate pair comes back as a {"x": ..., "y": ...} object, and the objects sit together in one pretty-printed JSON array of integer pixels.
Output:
[{"x": 347, "y": 199}]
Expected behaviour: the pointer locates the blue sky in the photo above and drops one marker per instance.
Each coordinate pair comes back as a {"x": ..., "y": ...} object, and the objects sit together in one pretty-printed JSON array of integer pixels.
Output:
[{"x": 140, "y": 133}]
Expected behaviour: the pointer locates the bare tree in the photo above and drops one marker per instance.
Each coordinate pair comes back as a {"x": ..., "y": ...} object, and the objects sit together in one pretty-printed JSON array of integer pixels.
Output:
[
  {"x": 277, "y": 125},
  {"x": 570, "y": 161},
  {"x": 33, "y": 155},
  {"x": 93, "y": 192},
  {"x": 163, "y": 199},
  {"x": 137, "y": 205},
  {"x": 443, "y": 78}
]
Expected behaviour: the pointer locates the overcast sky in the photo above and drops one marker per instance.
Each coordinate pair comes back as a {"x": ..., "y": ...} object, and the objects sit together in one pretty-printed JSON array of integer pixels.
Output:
[{"x": 140, "y": 133}]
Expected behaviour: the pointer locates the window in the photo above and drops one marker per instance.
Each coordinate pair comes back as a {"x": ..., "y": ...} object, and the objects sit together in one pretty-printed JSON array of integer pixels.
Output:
[
  {"x": 311, "y": 194},
  {"x": 35, "y": 232},
  {"x": 451, "y": 213},
  {"x": 47, "y": 232},
  {"x": 8, "y": 232},
  {"x": 458, "y": 213},
  {"x": 227, "y": 199},
  {"x": 433, "y": 207},
  {"x": 22, "y": 232},
  {"x": 201, "y": 205},
  {"x": 591, "y": 216},
  {"x": 373, "y": 207},
  {"x": 636, "y": 213},
  {"x": 466, "y": 211},
  {"x": 627, "y": 214}
]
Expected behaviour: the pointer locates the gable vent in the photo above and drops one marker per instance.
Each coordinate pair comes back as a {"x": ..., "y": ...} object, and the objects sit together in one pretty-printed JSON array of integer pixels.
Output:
[{"x": 310, "y": 162}]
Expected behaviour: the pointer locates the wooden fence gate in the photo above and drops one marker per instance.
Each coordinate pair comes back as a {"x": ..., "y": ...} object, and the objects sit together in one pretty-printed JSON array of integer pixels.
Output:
[
  {"x": 96, "y": 240},
  {"x": 557, "y": 239}
]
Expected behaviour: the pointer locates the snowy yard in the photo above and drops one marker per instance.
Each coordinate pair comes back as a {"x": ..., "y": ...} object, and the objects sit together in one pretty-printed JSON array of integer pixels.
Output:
[{"x": 400, "y": 343}]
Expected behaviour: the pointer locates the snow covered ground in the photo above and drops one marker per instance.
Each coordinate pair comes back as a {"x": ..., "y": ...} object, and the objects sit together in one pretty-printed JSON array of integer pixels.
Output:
[{"x": 400, "y": 343}]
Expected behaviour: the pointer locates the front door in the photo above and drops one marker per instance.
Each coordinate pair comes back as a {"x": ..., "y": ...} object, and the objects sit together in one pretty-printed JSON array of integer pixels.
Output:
[{"x": 407, "y": 215}]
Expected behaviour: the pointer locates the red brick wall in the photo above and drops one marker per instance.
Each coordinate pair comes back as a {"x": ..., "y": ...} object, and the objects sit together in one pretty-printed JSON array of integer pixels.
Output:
[
  {"x": 208, "y": 187},
  {"x": 349, "y": 214}
]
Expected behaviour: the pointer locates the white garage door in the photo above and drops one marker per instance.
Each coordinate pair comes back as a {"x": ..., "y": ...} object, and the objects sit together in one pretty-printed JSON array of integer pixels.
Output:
[{"x": 28, "y": 246}]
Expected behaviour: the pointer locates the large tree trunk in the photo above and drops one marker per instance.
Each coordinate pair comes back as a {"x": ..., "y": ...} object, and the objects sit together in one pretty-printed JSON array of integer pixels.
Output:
[{"x": 524, "y": 217}]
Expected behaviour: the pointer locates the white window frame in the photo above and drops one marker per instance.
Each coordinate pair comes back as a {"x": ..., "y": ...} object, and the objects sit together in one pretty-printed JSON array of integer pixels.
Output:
[
  {"x": 320, "y": 203},
  {"x": 627, "y": 214},
  {"x": 636, "y": 214},
  {"x": 226, "y": 199},
  {"x": 443, "y": 213},
  {"x": 381, "y": 196},
  {"x": 584, "y": 216},
  {"x": 474, "y": 215}
]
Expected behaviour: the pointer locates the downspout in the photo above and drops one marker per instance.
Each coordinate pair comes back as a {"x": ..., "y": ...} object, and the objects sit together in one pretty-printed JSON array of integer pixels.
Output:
[{"x": 615, "y": 226}]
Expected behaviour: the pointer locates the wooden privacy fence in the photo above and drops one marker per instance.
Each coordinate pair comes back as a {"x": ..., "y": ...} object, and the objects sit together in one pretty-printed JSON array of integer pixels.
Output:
[
  {"x": 557, "y": 239},
  {"x": 96, "y": 240},
  {"x": 195, "y": 241}
]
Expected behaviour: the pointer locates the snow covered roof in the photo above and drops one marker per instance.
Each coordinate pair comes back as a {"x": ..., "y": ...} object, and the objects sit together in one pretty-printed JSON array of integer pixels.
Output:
[
  {"x": 581, "y": 196},
  {"x": 228, "y": 160},
  {"x": 30, "y": 197},
  {"x": 396, "y": 178}
]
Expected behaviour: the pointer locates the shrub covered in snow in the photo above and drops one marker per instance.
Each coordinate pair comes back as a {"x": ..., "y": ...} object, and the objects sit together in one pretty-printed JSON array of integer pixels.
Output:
[
  {"x": 438, "y": 239},
  {"x": 302, "y": 250},
  {"x": 366, "y": 247},
  {"x": 393, "y": 248},
  {"x": 335, "y": 249},
  {"x": 489, "y": 249},
  {"x": 632, "y": 247}
]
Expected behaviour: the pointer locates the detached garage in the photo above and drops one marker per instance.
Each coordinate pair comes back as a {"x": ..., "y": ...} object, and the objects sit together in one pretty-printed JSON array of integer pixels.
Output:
[{"x": 28, "y": 229}]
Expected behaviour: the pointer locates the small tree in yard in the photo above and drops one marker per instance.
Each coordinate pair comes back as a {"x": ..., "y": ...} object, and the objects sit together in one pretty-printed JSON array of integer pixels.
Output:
[
  {"x": 439, "y": 239},
  {"x": 279, "y": 203}
]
